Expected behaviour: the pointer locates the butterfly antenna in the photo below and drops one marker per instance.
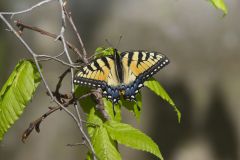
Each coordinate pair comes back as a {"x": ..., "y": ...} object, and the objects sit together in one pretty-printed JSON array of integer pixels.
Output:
[
  {"x": 120, "y": 38},
  {"x": 110, "y": 44}
]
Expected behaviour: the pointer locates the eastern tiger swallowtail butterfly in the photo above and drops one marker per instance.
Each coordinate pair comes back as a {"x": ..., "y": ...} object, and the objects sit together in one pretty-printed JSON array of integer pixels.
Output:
[{"x": 121, "y": 74}]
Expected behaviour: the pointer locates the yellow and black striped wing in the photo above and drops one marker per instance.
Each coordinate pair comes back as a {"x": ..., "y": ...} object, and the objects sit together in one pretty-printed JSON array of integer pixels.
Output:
[
  {"x": 138, "y": 66},
  {"x": 99, "y": 73}
]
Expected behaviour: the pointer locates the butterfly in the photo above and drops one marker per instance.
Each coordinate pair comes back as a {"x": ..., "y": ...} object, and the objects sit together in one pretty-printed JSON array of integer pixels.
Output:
[{"x": 121, "y": 74}]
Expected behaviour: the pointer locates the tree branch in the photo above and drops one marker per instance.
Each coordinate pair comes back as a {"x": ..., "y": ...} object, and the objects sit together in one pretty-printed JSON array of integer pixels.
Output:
[
  {"x": 72, "y": 77},
  {"x": 69, "y": 17},
  {"x": 36, "y": 124},
  {"x": 27, "y": 10},
  {"x": 34, "y": 55},
  {"x": 62, "y": 101},
  {"x": 56, "y": 59},
  {"x": 22, "y": 26}
]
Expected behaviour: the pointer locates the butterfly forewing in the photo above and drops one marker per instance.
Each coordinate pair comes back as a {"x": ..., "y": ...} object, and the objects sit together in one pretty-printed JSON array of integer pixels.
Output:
[
  {"x": 100, "y": 73},
  {"x": 138, "y": 66}
]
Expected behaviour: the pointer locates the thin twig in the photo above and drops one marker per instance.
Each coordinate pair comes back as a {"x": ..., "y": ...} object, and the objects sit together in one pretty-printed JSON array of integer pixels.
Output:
[
  {"x": 47, "y": 59},
  {"x": 96, "y": 93},
  {"x": 34, "y": 55},
  {"x": 61, "y": 97},
  {"x": 72, "y": 77},
  {"x": 27, "y": 10},
  {"x": 58, "y": 60},
  {"x": 21, "y": 26},
  {"x": 100, "y": 103},
  {"x": 61, "y": 77},
  {"x": 76, "y": 144},
  {"x": 69, "y": 17},
  {"x": 66, "y": 45},
  {"x": 92, "y": 56},
  {"x": 36, "y": 124},
  {"x": 84, "y": 96}
]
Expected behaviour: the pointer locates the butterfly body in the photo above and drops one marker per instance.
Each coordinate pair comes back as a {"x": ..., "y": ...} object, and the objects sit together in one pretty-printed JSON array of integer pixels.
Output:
[{"x": 121, "y": 74}]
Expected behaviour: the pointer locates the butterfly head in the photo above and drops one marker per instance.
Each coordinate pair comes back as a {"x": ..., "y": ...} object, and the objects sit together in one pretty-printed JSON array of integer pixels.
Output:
[{"x": 116, "y": 53}]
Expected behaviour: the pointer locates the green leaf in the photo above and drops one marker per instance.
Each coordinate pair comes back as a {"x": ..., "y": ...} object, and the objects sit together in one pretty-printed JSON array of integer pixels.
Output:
[
  {"x": 100, "y": 51},
  {"x": 135, "y": 107},
  {"x": 95, "y": 118},
  {"x": 156, "y": 87},
  {"x": 86, "y": 103},
  {"x": 17, "y": 93},
  {"x": 131, "y": 137},
  {"x": 89, "y": 156},
  {"x": 220, "y": 4},
  {"x": 110, "y": 109},
  {"x": 104, "y": 147},
  {"x": 94, "y": 121}
]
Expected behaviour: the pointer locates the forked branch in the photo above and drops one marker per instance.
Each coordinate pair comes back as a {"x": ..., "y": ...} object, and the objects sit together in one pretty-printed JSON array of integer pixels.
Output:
[{"x": 23, "y": 26}]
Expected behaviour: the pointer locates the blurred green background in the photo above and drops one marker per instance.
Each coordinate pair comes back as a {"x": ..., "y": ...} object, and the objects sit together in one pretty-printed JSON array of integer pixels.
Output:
[{"x": 203, "y": 77}]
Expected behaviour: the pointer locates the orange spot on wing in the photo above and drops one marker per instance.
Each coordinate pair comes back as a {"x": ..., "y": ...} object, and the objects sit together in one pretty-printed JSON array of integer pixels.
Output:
[{"x": 101, "y": 77}]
